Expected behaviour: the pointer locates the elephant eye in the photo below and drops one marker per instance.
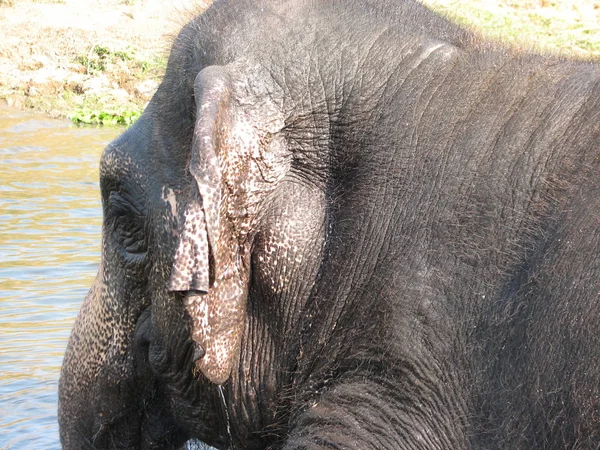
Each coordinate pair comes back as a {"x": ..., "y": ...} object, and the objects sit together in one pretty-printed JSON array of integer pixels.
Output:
[{"x": 126, "y": 221}]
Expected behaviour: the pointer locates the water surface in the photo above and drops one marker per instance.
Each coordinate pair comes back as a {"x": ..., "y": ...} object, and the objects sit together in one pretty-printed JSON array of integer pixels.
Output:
[{"x": 50, "y": 220}]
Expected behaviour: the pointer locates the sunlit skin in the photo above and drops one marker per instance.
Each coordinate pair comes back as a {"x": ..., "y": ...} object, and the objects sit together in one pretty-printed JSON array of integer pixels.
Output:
[{"x": 350, "y": 225}]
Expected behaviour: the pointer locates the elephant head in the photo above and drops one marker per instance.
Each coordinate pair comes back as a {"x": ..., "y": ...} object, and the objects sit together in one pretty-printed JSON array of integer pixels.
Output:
[
  {"x": 266, "y": 272},
  {"x": 211, "y": 226}
]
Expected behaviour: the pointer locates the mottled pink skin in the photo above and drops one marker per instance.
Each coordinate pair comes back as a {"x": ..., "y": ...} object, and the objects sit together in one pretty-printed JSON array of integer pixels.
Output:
[{"x": 234, "y": 171}]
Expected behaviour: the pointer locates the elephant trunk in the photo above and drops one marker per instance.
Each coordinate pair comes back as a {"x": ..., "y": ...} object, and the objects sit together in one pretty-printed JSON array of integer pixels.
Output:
[{"x": 98, "y": 381}]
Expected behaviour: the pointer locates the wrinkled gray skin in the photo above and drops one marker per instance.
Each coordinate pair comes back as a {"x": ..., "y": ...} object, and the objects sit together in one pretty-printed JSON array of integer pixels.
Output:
[{"x": 371, "y": 229}]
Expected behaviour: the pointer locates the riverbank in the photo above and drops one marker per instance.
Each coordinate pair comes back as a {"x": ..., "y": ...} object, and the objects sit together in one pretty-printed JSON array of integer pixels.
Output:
[
  {"x": 91, "y": 61},
  {"x": 100, "y": 62},
  {"x": 569, "y": 27}
]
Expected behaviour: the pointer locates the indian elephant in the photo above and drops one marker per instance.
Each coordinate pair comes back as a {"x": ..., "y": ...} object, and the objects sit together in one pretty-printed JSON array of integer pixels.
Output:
[{"x": 346, "y": 224}]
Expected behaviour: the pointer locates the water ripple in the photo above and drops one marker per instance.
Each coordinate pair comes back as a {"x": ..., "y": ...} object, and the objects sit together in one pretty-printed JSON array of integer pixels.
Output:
[{"x": 49, "y": 250}]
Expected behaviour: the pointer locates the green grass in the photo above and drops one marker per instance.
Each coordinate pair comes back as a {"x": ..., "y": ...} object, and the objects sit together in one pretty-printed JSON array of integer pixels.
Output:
[
  {"x": 123, "y": 66},
  {"x": 103, "y": 110},
  {"x": 101, "y": 58},
  {"x": 89, "y": 116},
  {"x": 550, "y": 26}
]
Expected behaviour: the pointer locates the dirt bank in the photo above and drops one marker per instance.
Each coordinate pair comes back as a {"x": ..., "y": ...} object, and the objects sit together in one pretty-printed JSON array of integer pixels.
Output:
[
  {"x": 88, "y": 59},
  {"x": 102, "y": 61}
]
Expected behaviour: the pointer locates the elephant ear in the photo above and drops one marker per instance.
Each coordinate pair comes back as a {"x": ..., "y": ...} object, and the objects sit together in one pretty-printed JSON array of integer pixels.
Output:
[
  {"x": 236, "y": 158},
  {"x": 200, "y": 219}
]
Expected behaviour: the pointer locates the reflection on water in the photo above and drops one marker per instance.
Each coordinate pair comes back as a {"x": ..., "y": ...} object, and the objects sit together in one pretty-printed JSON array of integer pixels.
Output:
[
  {"x": 50, "y": 218},
  {"x": 49, "y": 250}
]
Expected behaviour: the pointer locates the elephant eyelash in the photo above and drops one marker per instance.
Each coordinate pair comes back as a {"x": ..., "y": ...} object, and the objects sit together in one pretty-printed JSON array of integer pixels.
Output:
[
  {"x": 126, "y": 220},
  {"x": 121, "y": 203}
]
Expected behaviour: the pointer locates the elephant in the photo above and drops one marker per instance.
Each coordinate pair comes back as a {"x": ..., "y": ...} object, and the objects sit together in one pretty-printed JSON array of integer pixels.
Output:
[{"x": 346, "y": 224}]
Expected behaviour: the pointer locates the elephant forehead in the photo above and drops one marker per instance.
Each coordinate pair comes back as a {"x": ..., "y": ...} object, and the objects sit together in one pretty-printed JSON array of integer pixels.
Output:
[
  {"x": 128, "y": 154},
  {"x": 117, "y": 165}
]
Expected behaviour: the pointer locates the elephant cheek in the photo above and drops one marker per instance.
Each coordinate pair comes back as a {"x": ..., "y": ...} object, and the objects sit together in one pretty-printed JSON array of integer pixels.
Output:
[{"x": 217, "y": 326}]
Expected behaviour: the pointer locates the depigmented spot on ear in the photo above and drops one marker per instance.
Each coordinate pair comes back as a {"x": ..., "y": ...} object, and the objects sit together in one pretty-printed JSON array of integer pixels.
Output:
[
  {"x": 168, "y": 196},
  {"x": 191, "y": 269},
  {"x": 213, "y": 94},
  {"x": 206, "y": 262}
]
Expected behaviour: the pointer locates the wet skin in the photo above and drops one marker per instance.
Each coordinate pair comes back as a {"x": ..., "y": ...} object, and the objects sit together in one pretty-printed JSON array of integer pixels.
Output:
[{"x": 356, "y": 226}]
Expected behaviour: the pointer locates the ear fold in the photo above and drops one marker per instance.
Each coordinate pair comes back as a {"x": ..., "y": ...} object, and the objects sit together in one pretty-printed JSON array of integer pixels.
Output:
[
  {"x": 236, "y": 158},
  {"x": 199, "y": 234}
]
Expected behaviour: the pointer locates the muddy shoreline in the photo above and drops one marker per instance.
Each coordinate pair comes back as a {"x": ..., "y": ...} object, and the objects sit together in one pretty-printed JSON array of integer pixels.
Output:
[
  {"x": 67, "y": 57},
  {"x": 101, "y": 62}
]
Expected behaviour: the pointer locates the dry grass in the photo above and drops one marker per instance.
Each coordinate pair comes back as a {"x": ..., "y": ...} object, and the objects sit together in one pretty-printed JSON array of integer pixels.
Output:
[
  {"x": 49, "y": 48},
  {"x": 565, "y": 26}
]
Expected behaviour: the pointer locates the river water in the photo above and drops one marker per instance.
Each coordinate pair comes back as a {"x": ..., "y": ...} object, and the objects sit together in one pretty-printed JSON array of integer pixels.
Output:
[{"x": 50, "y": 220}]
